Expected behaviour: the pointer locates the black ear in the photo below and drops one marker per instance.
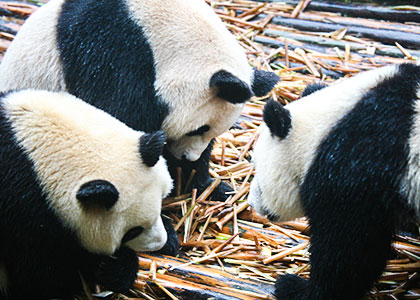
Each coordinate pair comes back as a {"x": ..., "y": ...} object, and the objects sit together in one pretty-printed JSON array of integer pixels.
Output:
[
  {"x": 263, "y": 82},
  {"x": 277, "y": 119},
  {"x": 230, "y": 87},
  {"x": 100, "y": 193},
  {"x": 312, "y": 88},
  {"x": 151, "y": 147}
]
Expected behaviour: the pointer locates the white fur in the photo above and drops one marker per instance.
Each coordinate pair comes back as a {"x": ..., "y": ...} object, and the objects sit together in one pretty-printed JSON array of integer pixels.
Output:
[
  {"x": 71, "y": 143},
  {"x": 189, "y": 44},
  {"x": 410, "y": 183},
  {"x": 282, "y": 164},
  {"x": 32, "y": 60}
]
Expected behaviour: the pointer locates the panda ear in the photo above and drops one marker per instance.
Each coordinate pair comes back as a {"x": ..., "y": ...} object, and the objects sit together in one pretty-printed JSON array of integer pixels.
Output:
[
  {"x": 230, "y": 87},
  {"x": 263, "y": 82},
  {"x": 151, "y": 147},
  {"x": 277, "y": 119},
  {"x": 99, "y": 193},
  {"x": 312, "y": 88}
]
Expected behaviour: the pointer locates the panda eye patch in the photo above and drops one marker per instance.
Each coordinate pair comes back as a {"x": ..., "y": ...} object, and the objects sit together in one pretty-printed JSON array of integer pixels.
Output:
[{"x": 199, "y": 131}]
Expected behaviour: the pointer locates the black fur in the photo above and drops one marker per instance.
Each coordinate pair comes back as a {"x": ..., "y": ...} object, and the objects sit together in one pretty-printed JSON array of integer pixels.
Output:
[
  {"x": 277, "y": 119},
  {"x": 263, "y": 82},
  {"x": 230, "y": 87},
  {"x": 118, "y": 272},
  {"x": 201, "y": 179},
  {"x": 172, "y": 244},
  {"x": 312, "y": 88},
  {"x": 151, "y": 147},
  {"x": 108, "y": 62},
  {"x": 42, "y": 257},
  {"x": 291, "y": 287},
  {"x": 351, "y": 193},
  {"x": 98, "y": 193}
]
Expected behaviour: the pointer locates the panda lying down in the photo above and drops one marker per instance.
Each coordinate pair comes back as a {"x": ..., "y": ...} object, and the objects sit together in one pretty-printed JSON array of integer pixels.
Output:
[
  {"x": 77, "y": 198},
  {"x": 348, "y": 157}
]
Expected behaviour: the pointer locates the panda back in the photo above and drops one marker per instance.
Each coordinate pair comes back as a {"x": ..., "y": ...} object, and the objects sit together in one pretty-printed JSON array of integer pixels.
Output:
[
  {"x": 314, "y": 116},
  {"x": 35, "y": 49},
  {"x": 112, "y": 49},
  {"x": 371, "y": 150}
]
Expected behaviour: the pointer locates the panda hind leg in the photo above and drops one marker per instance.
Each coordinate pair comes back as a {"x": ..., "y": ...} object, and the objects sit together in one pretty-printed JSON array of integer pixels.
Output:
[
  {"x": 349, "y": 246},
  {"x": 291, "y": 287}
]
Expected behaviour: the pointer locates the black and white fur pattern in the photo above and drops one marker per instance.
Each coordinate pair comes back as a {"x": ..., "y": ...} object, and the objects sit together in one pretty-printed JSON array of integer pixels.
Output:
[
  {"x": 152, "y": 64},
  {"x": 80, "y": 192},
  {"x": 347, "y": 157}
]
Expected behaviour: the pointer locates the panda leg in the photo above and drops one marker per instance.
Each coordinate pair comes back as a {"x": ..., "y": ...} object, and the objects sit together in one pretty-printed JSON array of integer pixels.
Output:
[
  {"x": 349, "y": 248},
  {"x": 201, "y": 179}
]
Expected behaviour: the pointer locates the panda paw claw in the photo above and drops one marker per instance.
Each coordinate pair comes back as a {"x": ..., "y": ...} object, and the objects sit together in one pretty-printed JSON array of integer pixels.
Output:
[{"x": 291, "y": 287}]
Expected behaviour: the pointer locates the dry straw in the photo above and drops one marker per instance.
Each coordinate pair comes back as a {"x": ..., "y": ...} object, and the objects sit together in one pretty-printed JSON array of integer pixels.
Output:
[{"x": 225, "y": 246}]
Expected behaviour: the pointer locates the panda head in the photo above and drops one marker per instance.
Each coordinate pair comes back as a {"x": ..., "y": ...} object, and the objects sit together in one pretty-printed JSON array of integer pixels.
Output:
[
  {"x": 104, "y": 181},
  {"x": 291, "y": 137},
  {"x": 225, "y": 97},
  {"x": 274, "y": 190},
  {"x": 202, "y": 73},
  {"x": 284, "y": 151}
]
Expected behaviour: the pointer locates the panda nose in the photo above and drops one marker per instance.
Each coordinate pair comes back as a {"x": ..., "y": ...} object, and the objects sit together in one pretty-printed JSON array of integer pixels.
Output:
[{"x": 184, "y": 157}]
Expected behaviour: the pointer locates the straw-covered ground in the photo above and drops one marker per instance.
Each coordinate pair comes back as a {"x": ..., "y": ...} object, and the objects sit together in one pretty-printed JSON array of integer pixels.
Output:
[{"x": 229, "y": 252}]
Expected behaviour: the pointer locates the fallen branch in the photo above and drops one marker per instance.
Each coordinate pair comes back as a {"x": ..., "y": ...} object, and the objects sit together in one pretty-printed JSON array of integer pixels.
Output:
[
  {"x": 359, "y": 11},
  {"x": 201, "y": 281},
  {"x": 389, "y": 37}
]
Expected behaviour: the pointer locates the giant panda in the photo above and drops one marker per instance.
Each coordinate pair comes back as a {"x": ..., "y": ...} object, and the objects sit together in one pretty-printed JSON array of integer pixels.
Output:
[
  {"x": 347, "y": 157},
  {"x": 80, "y": 193},
  {"x": 153, "y": 64}
]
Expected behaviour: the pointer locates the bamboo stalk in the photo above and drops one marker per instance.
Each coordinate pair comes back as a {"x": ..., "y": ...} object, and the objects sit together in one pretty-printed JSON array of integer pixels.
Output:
[
  {"x": 285, "y": 253},
  {"x": 229, "y": 216}
]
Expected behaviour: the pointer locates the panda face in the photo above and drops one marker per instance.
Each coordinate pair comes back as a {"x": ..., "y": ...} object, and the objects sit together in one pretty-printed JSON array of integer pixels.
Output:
[
  {"x": 203, "y": 121},
  {"x": 102, "y": 179},
  {"x": 201, "y": 129},
  {"x": 275, "y": 188}
]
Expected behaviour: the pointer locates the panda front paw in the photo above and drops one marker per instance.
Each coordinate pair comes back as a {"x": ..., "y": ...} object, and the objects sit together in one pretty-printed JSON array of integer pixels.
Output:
[
  {"x": 172, "y": 243},
  {"x": 291, "y": 287},
  {"x": 118, "y": 273},
  {"x": 220, "y": 192}
]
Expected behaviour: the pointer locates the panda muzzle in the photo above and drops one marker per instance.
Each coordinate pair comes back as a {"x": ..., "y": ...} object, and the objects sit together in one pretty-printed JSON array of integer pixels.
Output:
[{"x": 149, "y": 239}]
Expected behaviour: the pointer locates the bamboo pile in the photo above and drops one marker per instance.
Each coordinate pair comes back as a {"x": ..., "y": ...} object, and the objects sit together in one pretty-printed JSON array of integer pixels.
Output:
[{"x": 227, "y": 250}]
